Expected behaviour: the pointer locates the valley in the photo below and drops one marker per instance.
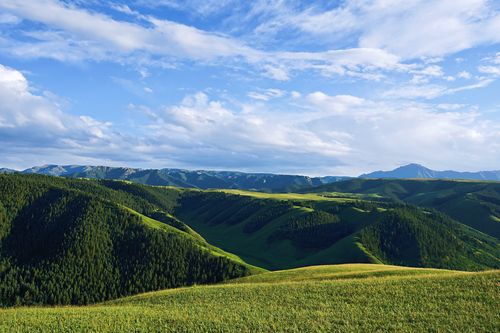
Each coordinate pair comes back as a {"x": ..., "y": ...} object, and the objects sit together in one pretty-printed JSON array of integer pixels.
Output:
[{"x": 98, "y": 245}]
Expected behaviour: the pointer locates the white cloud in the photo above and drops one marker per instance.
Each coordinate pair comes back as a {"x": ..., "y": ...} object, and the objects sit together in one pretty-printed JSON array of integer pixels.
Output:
[
  {"x": 338, "y": 104},
  {"x": 493, "y": 70},
  {"x": 218, "y": 136},
  {"x": 479, "y": 84},
  {"x": 381, "y": 133},
  {"x": 6, "y": 18},
  {"x": 267, "y": 94},
  {"x": 276, "y": 73},
  {"x": 464, "y": 75},
  {"x": 430, "y": 91},
  {"x": 166, "y": 37},
  {"x": 412, "y": 91},
  {"x": 409, "y": 29},
  {"x": 74, "y": 34},
  {"x": 433, "y": 70},
  {"x": 194, "y": 7},
  {"x": 328, "y": 131},
  {"x": 429, "y": 28},
  {"x": 32, "y": 124},
  {"x": 317, "y": 133},
  {"x": 451, "y": 106}
]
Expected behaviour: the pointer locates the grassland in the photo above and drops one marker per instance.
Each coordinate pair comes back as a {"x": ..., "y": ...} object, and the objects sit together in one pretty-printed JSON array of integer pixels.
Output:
[
  {"x": 341, "y": 298},
  {"x": 291, "y": 196}
]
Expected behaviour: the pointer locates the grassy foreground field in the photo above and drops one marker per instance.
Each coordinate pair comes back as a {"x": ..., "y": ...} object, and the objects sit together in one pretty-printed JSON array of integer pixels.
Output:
[{"x": 340, "y": 298}]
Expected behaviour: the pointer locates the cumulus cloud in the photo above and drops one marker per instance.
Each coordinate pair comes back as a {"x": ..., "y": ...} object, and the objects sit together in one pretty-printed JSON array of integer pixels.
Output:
[
  {"x": 464, "y": 75},
  {"x": 318, "y": 133},
  {"x": 312, "y": 131},
  {"x": 31, "y": 125},
  {"x": 332, "y": 132}
]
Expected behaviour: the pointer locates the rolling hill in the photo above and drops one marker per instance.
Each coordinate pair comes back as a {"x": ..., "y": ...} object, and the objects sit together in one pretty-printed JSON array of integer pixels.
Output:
[
  {"x": 80, "y": 242},
  {"x": 342, "y": 298},
  {"x": 474, "y": 203},
  {"x": 279, "y": 231}
]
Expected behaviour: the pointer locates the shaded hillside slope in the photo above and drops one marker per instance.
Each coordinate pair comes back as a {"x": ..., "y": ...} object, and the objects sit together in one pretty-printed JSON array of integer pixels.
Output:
[
  {"x": 77, "y": 242},
  {"x": 276, "y": 232}
]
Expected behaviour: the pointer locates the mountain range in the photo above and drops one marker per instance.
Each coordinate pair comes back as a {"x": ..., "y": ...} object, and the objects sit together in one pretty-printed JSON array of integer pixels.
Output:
[
  {"x": 267, "y": 182},
  {"x": 418, "y": 171},
  {"x": 201, "y": 179}
]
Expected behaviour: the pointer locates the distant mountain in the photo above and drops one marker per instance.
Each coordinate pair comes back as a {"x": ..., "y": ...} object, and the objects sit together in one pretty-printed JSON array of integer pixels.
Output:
[
  {"x": 266, "y": 182},
  {"x": 186, "y": 178},
  {"x": 6, "y": 170},
  {"x": 419, "y": 171}
]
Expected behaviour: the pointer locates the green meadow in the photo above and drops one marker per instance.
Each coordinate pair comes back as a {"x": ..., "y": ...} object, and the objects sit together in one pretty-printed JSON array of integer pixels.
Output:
[{"x": 335, "y": 298}]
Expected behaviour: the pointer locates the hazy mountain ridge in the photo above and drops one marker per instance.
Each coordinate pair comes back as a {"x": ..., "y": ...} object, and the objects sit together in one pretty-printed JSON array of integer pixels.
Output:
[
  {"x": 268, "y": 182},
  {"x": 418, "y": 171},
  {"x": 202, "y": 179}
]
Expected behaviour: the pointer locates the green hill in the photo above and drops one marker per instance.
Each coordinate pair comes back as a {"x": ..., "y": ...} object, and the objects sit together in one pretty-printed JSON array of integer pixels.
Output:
[
  {"x": 474, "y": 203},
  {"x": 343, "y": 298},
  {"x": 279, "y": 231},
  {"x": 79, "y": 242}
]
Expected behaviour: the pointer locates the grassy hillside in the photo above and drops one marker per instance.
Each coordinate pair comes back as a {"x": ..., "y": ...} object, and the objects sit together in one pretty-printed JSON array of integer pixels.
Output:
[
  {"x": 78, "y": 242},
  {"x": 102, "y": 239},
  {"x": 474, "y": 203},
  {"x": 344, "y": 298},
  {"x": 279, "y": 231}
]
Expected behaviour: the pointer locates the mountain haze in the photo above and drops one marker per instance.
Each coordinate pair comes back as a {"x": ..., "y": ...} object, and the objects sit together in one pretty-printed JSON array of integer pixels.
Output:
[
  {"x": 201, "y": 179},
  {"x": 419, "y": 171}
]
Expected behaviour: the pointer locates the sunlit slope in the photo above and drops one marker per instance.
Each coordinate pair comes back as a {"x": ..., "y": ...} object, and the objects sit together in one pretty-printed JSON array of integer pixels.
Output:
[
  {"x": 344, "y": 298},
  {"x": 257, "y": 227},
  {"x": 279, "y": 231},
  {"x": 474, "y": 203}
]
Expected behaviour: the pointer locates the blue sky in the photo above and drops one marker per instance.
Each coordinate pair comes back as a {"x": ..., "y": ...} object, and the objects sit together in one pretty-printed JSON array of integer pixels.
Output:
[{"x": 317, "y": 88}]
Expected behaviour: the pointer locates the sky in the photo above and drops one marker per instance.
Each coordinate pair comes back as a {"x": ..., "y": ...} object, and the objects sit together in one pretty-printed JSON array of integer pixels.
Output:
[{"x": 301, "y": 87}]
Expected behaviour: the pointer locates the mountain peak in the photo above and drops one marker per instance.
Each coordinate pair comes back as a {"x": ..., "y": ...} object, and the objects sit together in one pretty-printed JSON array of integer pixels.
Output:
[
  {"x": 414, "y": 170},
  {"x": 412, "y": 166}
]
